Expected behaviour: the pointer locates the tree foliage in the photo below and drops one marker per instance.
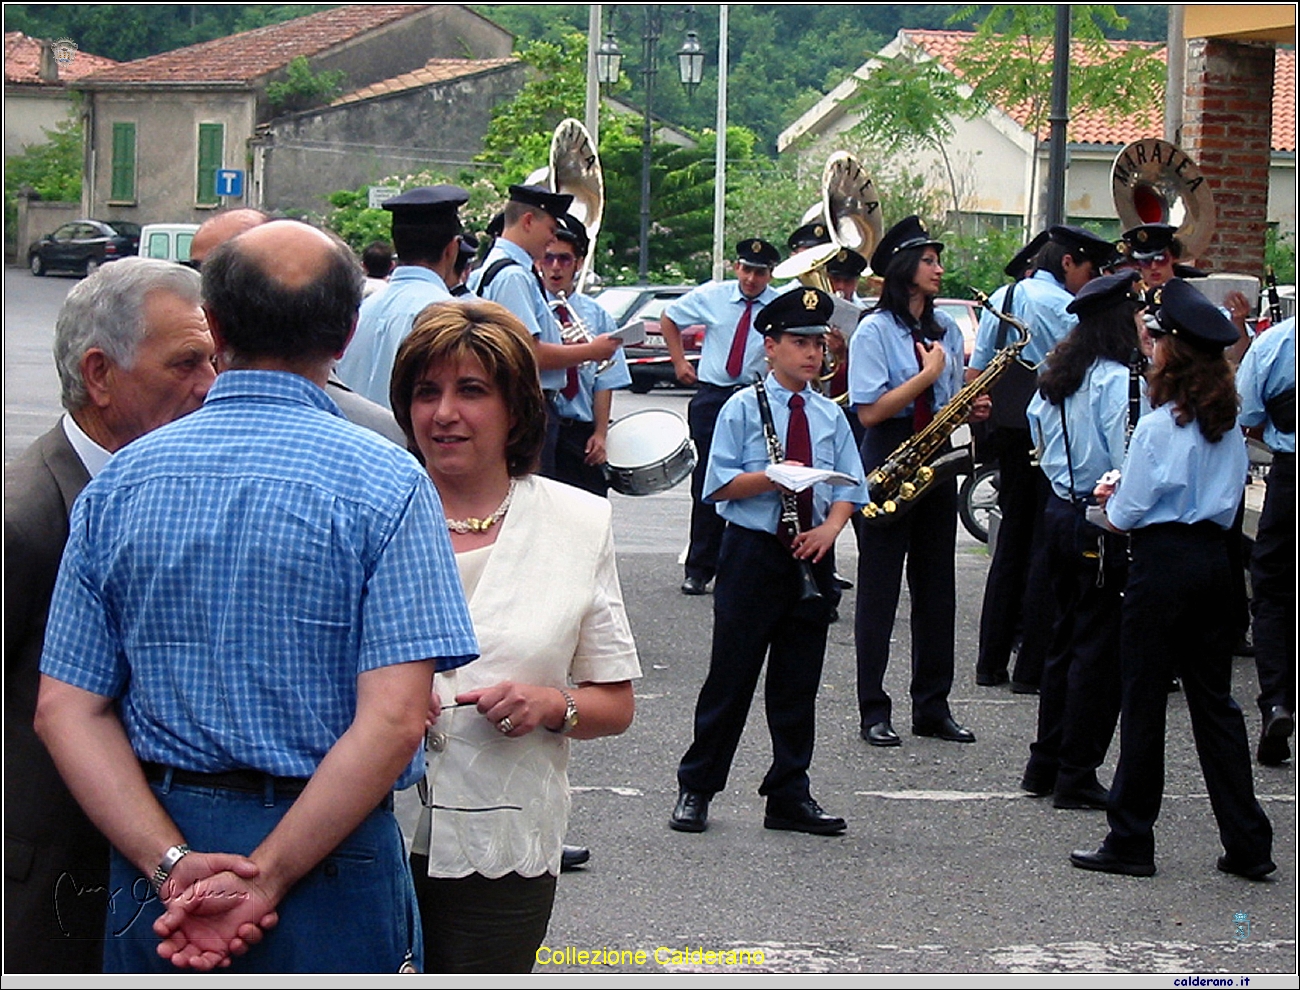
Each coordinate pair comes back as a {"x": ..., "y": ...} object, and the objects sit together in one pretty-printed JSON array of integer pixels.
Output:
[
  {"x": 1008, "y": 63},
  {"x": 51, "y": 169},
  {"x": 302, "y": 88}
]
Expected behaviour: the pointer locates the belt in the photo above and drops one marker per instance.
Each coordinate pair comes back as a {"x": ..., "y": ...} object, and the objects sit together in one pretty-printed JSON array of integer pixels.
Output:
[
  {"x": 574, "y": 421},
  {"x": 252, "y": 781}
]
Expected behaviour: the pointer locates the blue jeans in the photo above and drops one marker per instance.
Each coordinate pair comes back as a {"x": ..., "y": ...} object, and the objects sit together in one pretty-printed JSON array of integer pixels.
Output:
[{"x": 354, "y": 912}]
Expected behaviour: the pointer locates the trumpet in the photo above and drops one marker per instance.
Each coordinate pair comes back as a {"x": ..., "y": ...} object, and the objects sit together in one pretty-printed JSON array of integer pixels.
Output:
[{"x": 576, "y": 331}]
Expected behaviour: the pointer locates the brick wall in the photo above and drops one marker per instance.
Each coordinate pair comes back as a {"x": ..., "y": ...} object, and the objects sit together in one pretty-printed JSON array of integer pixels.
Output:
[{"x": 1227, "y": 130}]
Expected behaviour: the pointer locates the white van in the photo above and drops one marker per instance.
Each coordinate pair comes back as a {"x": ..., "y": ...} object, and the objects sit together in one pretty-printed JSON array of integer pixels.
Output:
[{"x": 168, "y": 241}]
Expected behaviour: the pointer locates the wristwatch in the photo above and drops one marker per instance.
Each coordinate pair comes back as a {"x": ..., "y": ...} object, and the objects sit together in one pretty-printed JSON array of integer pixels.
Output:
[
  {"x": 570, "y": 714},
  {"x": 168, "y": 863}
]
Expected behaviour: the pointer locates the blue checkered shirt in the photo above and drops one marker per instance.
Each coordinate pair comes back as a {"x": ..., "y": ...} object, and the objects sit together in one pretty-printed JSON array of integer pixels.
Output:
[{"x": 228, "y": 577}]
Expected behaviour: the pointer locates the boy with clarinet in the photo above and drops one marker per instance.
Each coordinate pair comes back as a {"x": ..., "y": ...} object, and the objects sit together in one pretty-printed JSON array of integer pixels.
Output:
[{"x": 775, "y": 580}]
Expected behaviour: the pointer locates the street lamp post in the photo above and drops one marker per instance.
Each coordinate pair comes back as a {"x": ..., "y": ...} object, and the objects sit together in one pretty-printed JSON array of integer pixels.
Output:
[{"x": 690, "y": 71}]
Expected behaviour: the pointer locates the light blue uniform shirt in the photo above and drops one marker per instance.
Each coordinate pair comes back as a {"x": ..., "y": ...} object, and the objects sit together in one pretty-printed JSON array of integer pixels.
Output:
[
  {"x": 1173, "y": 474},
  {"x": 719, "y": 306},
  {"x": 229, "y": 576},
  {"x": 740, "y": 446},
  {"x": 517, "y": 289},
  {"x": 882, "y": 356},
  {"x": 1097, "y": 421},
  {"x": 615, "y": 376},
  {"x": 1268, "y": 369},
  {"x": 384, "y": 323},
  {"x": 1040, "y": 303}
]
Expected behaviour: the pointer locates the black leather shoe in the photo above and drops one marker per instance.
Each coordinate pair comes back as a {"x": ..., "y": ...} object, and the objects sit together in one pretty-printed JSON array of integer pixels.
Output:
[
  {"x": 994, "y": 678},
  {"x": 1255, "y": 871},
  {"x": 694, "y": 586},
  {"x": 1084, "y": 799},
  {"x": 881, "y": 734},
  {"x": 691, "y": 813},
  {"x": 1104, "y": 861},
  {"x": 1272, "y": 752},
  {"x": 947, "y": 729},
  {"x": 1039, "y": 787},
  {"x": 844, "y": 583},
  {"x": 802, "y": 816},
  {"x": 1279, "y": 723},
  {"x": 571, "y": 857}
]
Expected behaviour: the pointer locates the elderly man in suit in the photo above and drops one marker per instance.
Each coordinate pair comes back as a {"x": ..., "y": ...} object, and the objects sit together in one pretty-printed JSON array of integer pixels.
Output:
[{"x": 133, "y": 352}]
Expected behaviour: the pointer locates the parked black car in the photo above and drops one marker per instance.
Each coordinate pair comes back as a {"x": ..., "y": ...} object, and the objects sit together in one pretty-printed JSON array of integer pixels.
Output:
[{"x": 83, "y": 245}]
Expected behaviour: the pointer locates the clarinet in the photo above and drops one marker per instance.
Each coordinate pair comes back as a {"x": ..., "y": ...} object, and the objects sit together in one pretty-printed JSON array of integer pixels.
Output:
[{"x": 789, "y": 501}]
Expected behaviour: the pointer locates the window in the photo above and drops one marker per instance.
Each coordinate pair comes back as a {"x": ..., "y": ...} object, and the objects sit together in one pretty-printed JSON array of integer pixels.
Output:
[
  {"x": 212, "y": 139},
  {"x": 122, "y": 183}
]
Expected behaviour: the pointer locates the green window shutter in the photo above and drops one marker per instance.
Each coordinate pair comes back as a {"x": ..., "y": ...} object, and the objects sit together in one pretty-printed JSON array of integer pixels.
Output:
[
  {"x": 211, "y": 139},
  {"x": 123, "y": 178}
]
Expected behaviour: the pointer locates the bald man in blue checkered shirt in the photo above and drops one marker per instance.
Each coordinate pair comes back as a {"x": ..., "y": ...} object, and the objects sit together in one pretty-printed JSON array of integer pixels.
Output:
[{"x": 241, "y": 646}]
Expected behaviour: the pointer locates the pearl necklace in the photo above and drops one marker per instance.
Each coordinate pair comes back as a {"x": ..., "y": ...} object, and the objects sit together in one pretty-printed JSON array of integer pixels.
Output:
[{"x": 472, "y": 525}]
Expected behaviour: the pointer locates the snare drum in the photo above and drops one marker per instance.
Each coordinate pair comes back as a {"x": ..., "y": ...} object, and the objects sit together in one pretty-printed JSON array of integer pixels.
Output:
[{"x": 648, "y": 452}]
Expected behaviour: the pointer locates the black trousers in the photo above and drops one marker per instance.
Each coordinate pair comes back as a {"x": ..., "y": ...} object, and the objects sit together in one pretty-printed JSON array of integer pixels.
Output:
[
  {"x": 757, "y": 615},
  {"x": 1078, "y": 701},
  {"x": 1016, "y": 596},
  {"x": 706, "y": 524},
  {"x": 1174, "y": 624},
  {"x": 571, "y": 465},
  {"x": 925, "y": 540},
  {"x": 1272, "y": 578}
]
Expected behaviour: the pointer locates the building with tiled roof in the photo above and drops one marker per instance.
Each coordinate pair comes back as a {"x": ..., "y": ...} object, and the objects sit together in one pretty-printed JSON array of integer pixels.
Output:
[
  {"x": 995, "y": 153},
  {"x": 432, "y": 117},
  {"x": 162, "y": 129},
  {"x": 36, "y": 87}
]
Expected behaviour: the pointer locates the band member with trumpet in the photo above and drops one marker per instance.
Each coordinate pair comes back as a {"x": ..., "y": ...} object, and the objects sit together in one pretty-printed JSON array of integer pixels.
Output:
[
  {"x": 730, "y": 356},
  {"x": 1015, "y": 591},
  {"x": 426, "y": 236},
  {"x": 584, "y": 402},
  {"x": 905, "y": 364},
  {"x": 531, "y": 219},
  {"x": 1090, "y": 395},
  {"x": 761, "y": 608},
  {"x": 1177, "y": 495}
]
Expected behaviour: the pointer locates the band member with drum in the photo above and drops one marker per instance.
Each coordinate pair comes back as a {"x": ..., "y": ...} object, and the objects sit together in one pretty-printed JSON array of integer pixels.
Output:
[
  {"x": 1013, "y": 600},
  {"x": 584, "y": 402},
  {"x": 1089, "y": 397},
  {"x": 766, "y": 605},
  {"x": 730, "y": 356},
  {"x": 905, "y": 364},
  {"x": 1177, "y": 495},
  {"x": 507, "y": 277}
]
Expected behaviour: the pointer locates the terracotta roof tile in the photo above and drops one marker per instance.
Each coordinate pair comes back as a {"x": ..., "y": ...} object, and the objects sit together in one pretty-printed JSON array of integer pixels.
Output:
[
  {"x": 23, "y": 62},
  {"x": 436, "y": 70},
  {"x": 1100, "y": 128},
  {"x": 244, "y": 57}
]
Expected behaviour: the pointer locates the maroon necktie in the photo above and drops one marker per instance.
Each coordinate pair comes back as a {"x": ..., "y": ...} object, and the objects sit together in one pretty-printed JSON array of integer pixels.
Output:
[
  {"x": 798, "y": 447},
  {"x": 736, "y": 359},
  {"x": 923, "y": 407},
  {"x": 570, "y": 390}
]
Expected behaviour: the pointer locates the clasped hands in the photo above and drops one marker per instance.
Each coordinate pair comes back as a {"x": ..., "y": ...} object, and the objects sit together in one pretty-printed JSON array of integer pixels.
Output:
[{"x": 214, "y": 909}]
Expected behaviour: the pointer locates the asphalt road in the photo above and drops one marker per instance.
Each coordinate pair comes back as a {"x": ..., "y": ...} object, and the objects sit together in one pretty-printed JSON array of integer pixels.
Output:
[{"x": 946, "y": 867}]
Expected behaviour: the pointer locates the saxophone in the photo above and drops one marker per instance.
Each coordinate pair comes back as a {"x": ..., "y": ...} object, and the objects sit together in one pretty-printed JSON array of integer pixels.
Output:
[{"x": 908, "y": 473}]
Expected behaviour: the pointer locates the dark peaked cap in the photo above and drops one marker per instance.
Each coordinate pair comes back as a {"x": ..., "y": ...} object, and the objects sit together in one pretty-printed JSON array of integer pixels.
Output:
[
  {"x": 556, "y": 204},
  {"x": 427, "y": 204},
  {"x": 1182, "y": 311},
  {"x": 803, "y": 311}
]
